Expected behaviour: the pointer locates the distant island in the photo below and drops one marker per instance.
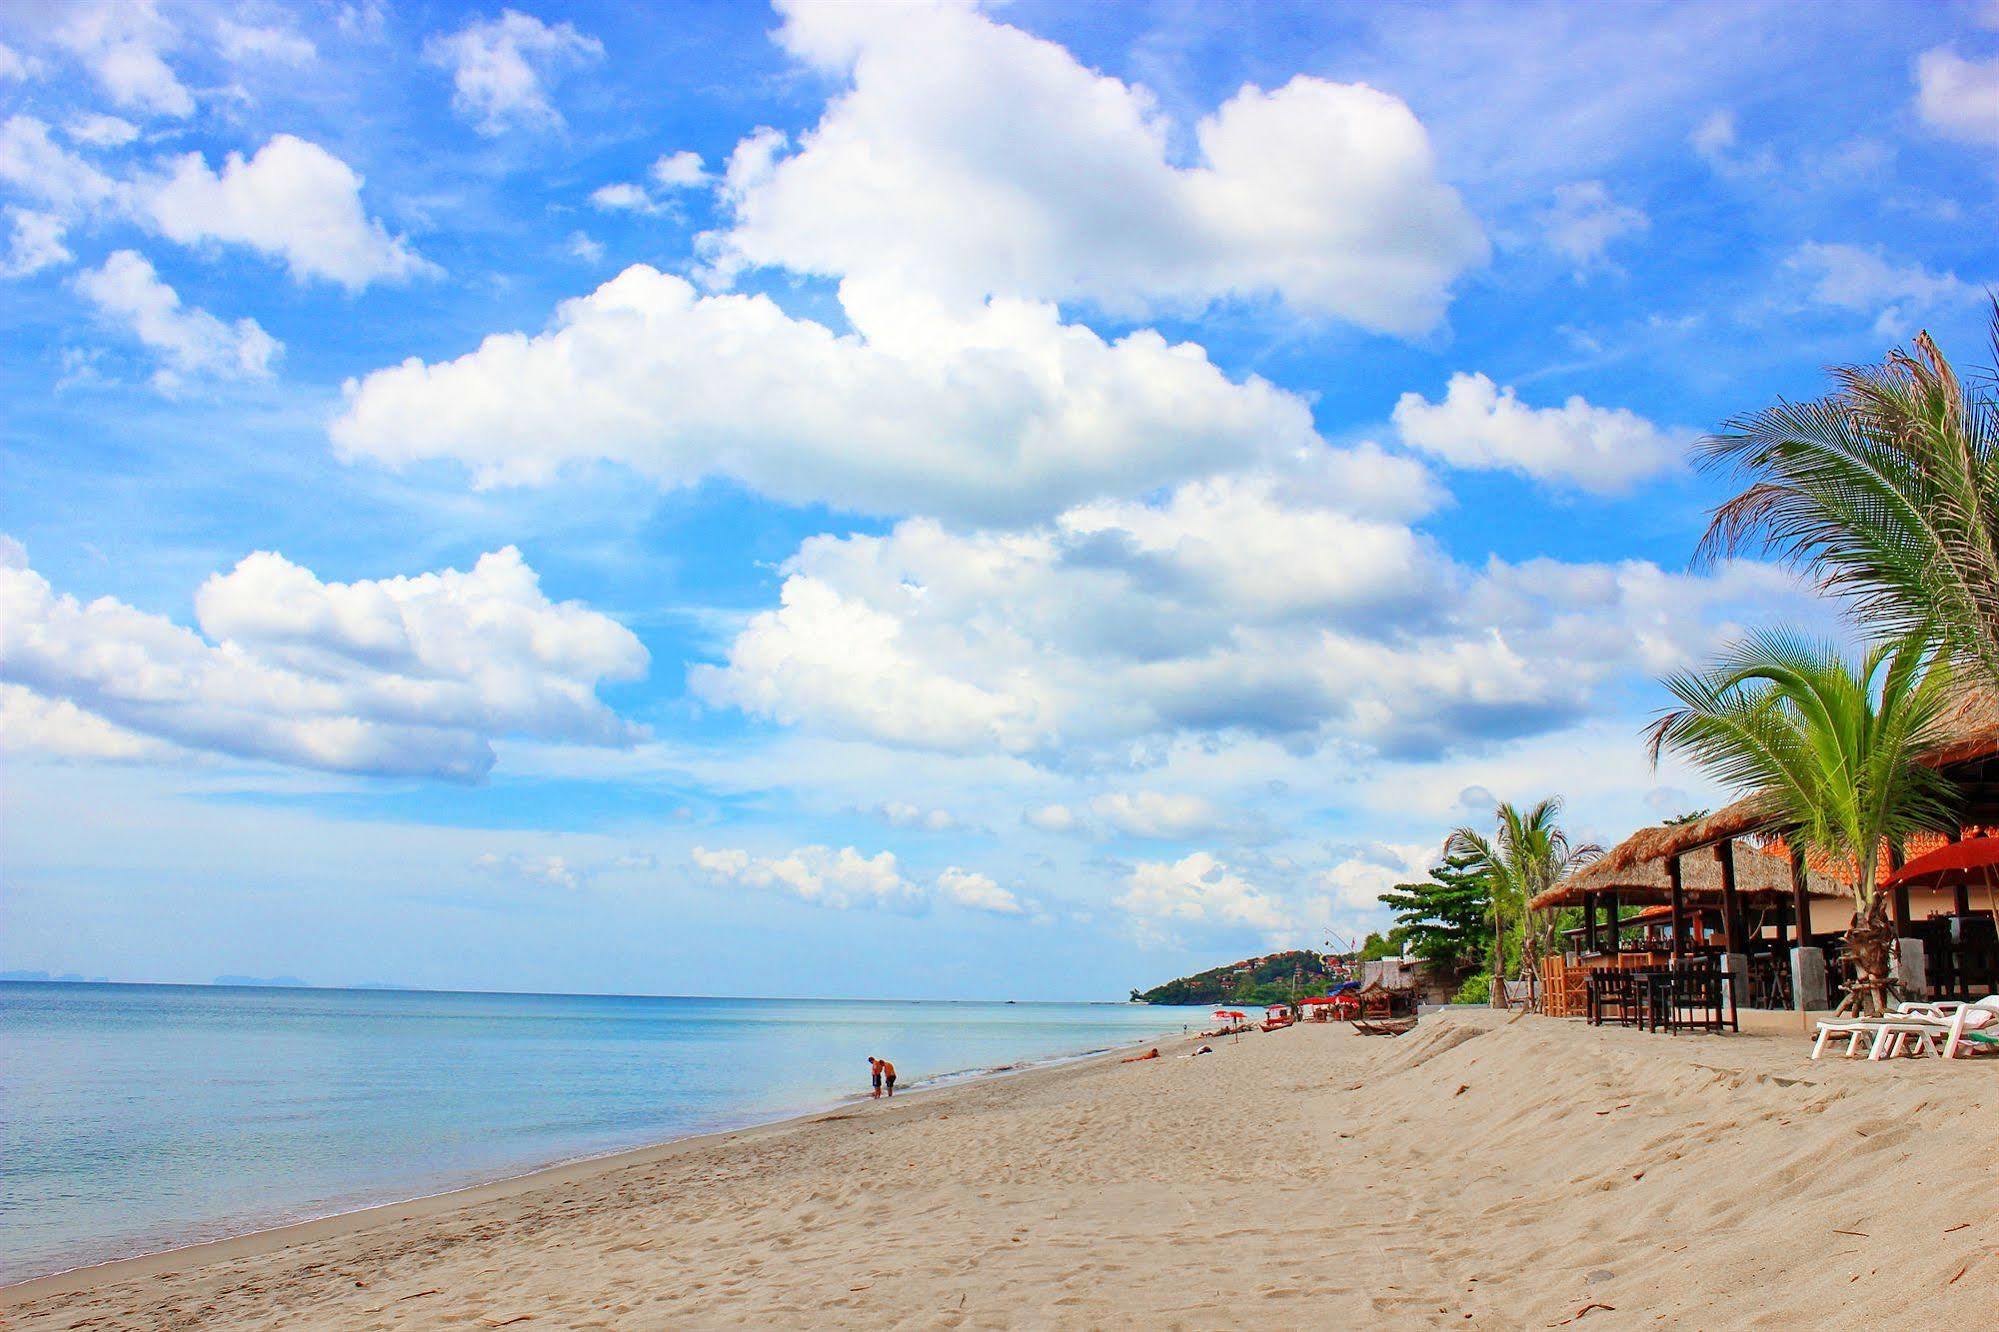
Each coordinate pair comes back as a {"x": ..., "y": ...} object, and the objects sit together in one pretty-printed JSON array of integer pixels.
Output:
[{"x": 1275, "y": 979}]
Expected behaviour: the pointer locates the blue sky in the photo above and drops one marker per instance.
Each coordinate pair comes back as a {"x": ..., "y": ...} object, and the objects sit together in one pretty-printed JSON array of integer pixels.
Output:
[{"x": 1007, "y": 501}]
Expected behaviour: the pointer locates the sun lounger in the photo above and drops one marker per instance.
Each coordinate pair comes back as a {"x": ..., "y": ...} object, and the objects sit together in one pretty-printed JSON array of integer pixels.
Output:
[{"x": 1916, "y": 1028}]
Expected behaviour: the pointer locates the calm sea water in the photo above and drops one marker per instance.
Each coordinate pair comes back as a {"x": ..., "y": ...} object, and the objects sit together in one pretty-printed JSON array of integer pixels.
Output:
[{"x": 140, "y": 1117}]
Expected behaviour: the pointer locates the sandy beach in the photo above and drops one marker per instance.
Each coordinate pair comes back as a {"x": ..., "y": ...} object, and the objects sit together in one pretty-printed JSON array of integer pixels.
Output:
[{"x": 1484, "y": 1171}]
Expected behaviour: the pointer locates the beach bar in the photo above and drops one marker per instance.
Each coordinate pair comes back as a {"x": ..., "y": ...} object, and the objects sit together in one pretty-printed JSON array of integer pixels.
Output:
[{"x": 1724, "y": 894}]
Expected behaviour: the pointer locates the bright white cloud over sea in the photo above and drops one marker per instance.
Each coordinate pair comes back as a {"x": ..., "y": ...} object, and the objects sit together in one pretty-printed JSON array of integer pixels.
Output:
[{"x": 922, "y": 499}]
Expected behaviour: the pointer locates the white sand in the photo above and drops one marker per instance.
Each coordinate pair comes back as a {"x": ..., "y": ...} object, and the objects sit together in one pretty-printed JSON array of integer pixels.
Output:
[{"x": 1481, "y": 1172}]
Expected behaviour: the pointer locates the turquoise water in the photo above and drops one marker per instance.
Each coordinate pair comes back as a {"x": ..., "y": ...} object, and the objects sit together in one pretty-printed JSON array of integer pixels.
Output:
[{"x": 140, "y": 1117}]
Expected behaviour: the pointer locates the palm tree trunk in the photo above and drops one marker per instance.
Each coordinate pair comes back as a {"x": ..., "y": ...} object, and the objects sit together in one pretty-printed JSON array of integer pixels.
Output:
[{"x": 1870, "y": 939}]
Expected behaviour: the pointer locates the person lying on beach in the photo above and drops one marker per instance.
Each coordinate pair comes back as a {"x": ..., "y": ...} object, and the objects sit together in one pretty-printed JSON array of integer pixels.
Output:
[{"x": 1139, "y": 1059}]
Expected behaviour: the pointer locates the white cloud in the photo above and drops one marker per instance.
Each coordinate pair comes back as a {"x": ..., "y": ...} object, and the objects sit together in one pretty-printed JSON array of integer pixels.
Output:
[
  {"x": 1201, "y": 889},
  {"x": 1323, "y": 194},
  {"x": 545, "y": 871},
  {"x": 500, "y": 68},
  {"x": 1849, "y": 277},
  {"x": 35, "y": 164},
  {"x": 1959, "y": 98},
  {"x": 1480, "y": 425},
  {"x": 15, "y": 66},
  {"x": 1358, "y": 881},
  {"x": 191, "y": 342},
  {"x": 679, "y": 171},
  {"x": 978, "y": 892},
  {"x": 670, "y": 174},
  {"x": 414, "y": 675},
  {"x": 1052, "y": 818},
  {"x": 581, "y": 246},
  {"x": 241, "y": 42},
  {"x": 1156, "y": 814},
  {"x": 817, "y": 874},
  {"x": 293, "y": 200},
  {"x": 36, "y": 243},
  {"x": 57, "y": 728},
  {"x": 1107, "y": 634},
  {"x": 624, "y": 197},
  {"x": 101, "y": 131},
  {"x": 1714, "y": 138},
  {"x": 1585, "y": 220},
  {"x": 123, "y": 44},
  {"x": 1004, "y": 414},
  {"x": 902, "y": 814}
]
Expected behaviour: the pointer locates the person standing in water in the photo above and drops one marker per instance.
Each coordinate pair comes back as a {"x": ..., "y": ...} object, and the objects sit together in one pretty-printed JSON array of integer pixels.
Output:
[
  {"x": 884, "y": 1075},
  {"x": 875, "y": 1071}
]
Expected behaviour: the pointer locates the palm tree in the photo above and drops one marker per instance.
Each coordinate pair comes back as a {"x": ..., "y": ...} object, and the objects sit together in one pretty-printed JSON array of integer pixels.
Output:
[
  {"x": 1527, "y": 854},
  {"x": 1833, "y": 753},
  {"x": 1888, "y": 489}
]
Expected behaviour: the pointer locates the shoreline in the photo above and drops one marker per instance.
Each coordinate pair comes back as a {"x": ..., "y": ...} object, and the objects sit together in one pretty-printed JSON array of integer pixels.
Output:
[
  {"x": 1486, "y": 1171},
  {"x": 564, "y": 1170}
]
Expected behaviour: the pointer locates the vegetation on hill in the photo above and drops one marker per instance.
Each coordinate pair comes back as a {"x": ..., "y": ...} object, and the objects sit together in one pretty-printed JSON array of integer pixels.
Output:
[{"x": 1275, "y": 979}]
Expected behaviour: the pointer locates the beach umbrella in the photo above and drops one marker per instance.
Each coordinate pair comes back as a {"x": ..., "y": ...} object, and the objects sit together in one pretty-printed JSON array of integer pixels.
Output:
[{"x": 1951, "y": 865}]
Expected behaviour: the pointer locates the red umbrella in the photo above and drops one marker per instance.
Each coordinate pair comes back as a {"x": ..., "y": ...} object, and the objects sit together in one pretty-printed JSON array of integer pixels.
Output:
[{"x": 1951, "y": 865}]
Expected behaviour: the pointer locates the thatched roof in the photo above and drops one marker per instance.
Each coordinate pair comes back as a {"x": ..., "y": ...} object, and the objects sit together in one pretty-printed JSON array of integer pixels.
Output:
[
  {"x": 1972, "y": 726},
  {"x": 1757, "y": 873},
  {"x": 1636, "y": 864}
]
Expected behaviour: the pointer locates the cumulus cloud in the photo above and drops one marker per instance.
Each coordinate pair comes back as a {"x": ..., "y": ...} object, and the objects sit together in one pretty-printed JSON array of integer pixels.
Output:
[
  {"x": 123, "y": 43},
  {"x": 35, "y": 243},
  {"x": 1850, "y": 277},
  {"x": 1324, "y": 194},
  {"x": 977, "y": 891},
  {"x": 843, "y": 878},
  {"x": 1001, "y": 415},
  {"x": 670, "y": 174},
  {"x": 1480, "y": 425},
  {"x": 101, "y": 131},
  {"x": 501, "y": 68},
  {"x": 1584, "y": 220},
  {"x": 1200, "y": 889},
  {"x": 1959, "y": 98},
  {"x": 1226, "y": 608},
  {"x": 190, "y": 342},
  {"x": 405, "y": 675},
  {"x": 35, "y": 164},
  {"x": 293, "y": 201},
  {"x": 243, "y": 42},
  {"x": 1053, "y": 818},
  {"x": 57, "y": 728},
  {"x": 1157, "y": 814},
  {"x": 902, "y": 814},
  {"x": 545, "y": 871}
]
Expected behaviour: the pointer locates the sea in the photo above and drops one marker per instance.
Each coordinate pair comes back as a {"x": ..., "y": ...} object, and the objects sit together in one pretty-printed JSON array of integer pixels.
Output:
[{"x": 136, "y": 1118}]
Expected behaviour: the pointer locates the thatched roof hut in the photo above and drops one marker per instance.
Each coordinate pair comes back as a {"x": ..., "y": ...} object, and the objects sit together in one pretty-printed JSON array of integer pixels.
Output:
[{"x": 1635, "y": 867}]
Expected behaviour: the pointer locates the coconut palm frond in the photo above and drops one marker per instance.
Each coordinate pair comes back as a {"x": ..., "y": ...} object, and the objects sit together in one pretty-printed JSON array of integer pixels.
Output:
[{"x": 1887, "y": 489}]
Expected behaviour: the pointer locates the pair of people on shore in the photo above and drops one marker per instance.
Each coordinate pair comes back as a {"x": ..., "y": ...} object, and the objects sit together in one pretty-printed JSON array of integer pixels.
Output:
[{"x": 884, "y": 1075}]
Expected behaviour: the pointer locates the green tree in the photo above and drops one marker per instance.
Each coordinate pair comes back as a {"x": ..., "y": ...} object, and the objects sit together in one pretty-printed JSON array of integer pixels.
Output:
[
  {"x": 1447, "y": 918},
  {"x": 1526, "y": 855},
  {"x": 1834, "y": 754},
  {"x": 1888, "y": 490}
]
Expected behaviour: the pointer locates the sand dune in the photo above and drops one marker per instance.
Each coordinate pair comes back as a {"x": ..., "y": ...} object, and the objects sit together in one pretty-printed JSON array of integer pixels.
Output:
[{"x": 1483, "y": 1172}]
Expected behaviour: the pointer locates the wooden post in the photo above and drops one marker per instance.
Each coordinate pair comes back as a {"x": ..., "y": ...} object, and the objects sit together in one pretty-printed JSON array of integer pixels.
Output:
[
  {"x": 1612, "y": 946},
  {"x": 1731, "y": 908},
  {"x": 1589, "y": 922},
  {"x": 1782, "y": 911},
  {"x": 1801, "y": 902},
  {"x": 1679, "y": 908},
  {"x": 1900, "y": 902},
  {"x": 1960, "y": 905}
]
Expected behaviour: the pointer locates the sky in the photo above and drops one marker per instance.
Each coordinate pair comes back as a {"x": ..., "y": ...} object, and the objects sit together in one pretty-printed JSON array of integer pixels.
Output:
[{"x": 904, "y": 500}]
